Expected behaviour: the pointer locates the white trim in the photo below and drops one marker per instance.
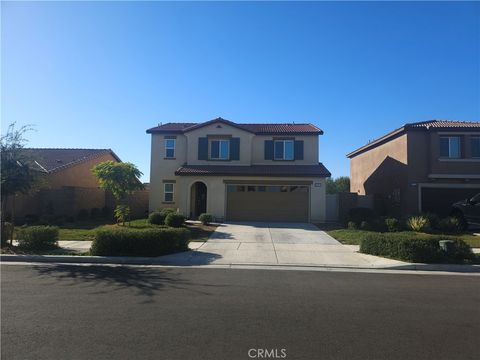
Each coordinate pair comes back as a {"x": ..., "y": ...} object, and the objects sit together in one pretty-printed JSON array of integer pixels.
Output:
[
  {"x": 453, "y": 176},
  {"x": 166, "y": 147},
  {"x": 219, "y": 147},
  {"x": 459, "y": 159},
  {"x": 165, "y": 192}
]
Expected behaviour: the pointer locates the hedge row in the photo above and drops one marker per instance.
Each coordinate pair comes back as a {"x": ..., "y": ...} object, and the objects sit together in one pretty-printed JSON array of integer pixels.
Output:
[
  {"x": 416, "y": 248},
  {"x": 37, "y": 237},
  {"x": 139, "y": 242}
]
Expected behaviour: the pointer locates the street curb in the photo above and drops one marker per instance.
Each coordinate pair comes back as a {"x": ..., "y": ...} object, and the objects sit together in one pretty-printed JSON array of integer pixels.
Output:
[{"x": 125, "y": 260}]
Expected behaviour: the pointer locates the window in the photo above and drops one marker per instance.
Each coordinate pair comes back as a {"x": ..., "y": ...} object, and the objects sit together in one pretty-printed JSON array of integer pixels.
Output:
[
  {"x": 450, "y": 147},
  {"x": 475, "y": 146},
  {"x": 170, "y": 148},
  {"x": 283, "y": 149},
  {"x": 168, "y": 192},
  {"x": 220, "y": 149}
]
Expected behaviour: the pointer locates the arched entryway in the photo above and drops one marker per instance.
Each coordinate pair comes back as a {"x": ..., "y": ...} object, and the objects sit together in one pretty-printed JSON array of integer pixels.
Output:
[{"x": 198, "y": 199}]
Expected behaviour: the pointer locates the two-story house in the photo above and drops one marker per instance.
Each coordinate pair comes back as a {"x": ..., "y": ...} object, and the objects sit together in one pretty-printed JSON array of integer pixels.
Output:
[
  {"x": 238, "y": 172},
  {"x": 419, "y": 167}
]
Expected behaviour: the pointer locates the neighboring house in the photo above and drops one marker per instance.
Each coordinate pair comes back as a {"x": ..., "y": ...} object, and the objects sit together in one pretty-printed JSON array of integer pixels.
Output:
[
  {"x": 238, "y": 172},
  {"x": 66, "y": 184},
  {"x": 420, "y": 167}
]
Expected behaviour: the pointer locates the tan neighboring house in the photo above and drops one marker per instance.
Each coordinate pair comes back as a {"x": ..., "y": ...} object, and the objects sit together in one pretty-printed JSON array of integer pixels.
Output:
[
  {"x": 238, "y": 172},
  {"x": 419, "y": 167},
  {"x": 67, "y": 184}
]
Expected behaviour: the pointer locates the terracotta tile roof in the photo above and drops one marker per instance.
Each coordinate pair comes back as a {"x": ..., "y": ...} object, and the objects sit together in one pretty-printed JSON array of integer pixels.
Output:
[
  {"x": 254, "y": 170},
  {"x": 274, "y": 128},
  {"x": 419, "y": 126},
  {"x": 50, "y": 160},
  {"x": 444, "y": 124}
]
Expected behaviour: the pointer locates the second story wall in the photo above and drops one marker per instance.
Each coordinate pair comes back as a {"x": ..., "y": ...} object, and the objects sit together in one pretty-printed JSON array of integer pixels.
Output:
[
  {"x": 218, "y": 131},
  {"x": 309, "y": 145}
]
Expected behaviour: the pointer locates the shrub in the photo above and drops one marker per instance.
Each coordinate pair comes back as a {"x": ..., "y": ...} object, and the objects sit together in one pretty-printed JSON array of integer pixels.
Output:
[
  {"x": 392, "y": 224},
  {"x": 351, "y": 225},
  {"x": 365, "y": 225},
  {"x": 37, "y": 237},
  {"x": 359, "y": 214},
  {"x": 417, "y": 223},
  {"x": 95, "y": 213},
  {"x": 139, "y": 242},
  {"x": 174, "y": 220},
  {"x": 122, "y": 213},
  {"x": 156, "y": 218},
  {"x": 415, "y": 248},
  {"x": 167, "y": 211},
  {"x": 450, "y": 224},
  {"x": 433, "y": 220},
  {"x": 82, "y": 215},
  {"x": 205, "y": 218}
]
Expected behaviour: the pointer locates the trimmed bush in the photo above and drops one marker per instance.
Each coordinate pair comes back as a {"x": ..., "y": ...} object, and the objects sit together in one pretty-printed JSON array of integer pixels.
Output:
[
  {"x": 351, "y": 225},
  {"x": 417, "y": 223},
  {"x": 359, "y": 214},
  {"x": 174, "y": 220},
  {"x": 392, "y": 224},
  {"x": 167, "y": 211},
  {"x": 205, "y": 218},
  {"x": 415, "y": 248},
  {"x": 139, "y": 242},
  {"x": 450, "y": 224},
  {"x": 156, "y": 218},
  {"x": 37, "y": 237}
]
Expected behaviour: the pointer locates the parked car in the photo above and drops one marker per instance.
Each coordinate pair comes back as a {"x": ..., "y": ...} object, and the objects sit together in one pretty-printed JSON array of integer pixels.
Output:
[{"x": 468, "y": 210}]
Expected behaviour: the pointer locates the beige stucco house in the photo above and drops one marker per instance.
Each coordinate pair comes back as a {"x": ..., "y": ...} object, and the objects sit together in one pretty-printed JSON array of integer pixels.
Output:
[{"x": 238, "y": 172}]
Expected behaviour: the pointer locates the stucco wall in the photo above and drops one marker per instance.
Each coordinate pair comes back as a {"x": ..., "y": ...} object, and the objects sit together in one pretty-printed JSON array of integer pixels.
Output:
[
  {"x": 216, "y": 194},
  {"x": 79, "y": 175}
]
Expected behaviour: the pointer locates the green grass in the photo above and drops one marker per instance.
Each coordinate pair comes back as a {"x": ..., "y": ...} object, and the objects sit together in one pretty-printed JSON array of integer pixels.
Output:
[{"x": 354, "y": 237}]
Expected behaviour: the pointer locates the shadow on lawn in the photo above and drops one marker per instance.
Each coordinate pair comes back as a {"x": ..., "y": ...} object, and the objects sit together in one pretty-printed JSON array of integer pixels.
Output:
[{"x": 147, "y": 282}]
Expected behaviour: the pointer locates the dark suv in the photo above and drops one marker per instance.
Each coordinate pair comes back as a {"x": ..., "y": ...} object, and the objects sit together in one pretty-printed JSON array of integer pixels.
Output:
[{"x": 468, "y": 210}]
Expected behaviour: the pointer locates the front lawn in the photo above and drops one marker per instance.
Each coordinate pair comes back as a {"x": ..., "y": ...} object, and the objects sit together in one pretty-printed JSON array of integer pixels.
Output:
[{"x": 354, "y": 237}]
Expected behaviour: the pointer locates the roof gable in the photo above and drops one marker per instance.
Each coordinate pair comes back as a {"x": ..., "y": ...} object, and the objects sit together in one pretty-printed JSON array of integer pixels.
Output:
[
  {"x": 429, "y": 125},
  {"x": 49, "y": 160},
  {"x": 258, "y": 129}
]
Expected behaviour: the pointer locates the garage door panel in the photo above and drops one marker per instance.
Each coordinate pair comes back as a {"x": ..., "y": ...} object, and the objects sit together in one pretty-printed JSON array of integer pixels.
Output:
[{"x": 268, "y": 206}]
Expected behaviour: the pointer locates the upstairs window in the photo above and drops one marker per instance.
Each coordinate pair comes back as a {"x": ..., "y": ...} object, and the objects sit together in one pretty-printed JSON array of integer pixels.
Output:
[
  {"x": 219, "y": 149},
  {"x": 450, "y": 147},
  {"x": 475, "y": 146},
  {"x": 170, "y": 148},
  {"x": 283, "y": 149}
]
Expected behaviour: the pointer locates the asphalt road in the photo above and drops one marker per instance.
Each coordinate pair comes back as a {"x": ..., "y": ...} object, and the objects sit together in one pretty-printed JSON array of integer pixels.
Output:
[{"x": 97, "y": 312}]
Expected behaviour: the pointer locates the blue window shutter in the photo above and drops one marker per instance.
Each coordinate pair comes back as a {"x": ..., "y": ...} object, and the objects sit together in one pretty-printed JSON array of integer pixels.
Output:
[
  {"x": 202, "y": 148},
  {"x": 268, "y": 149},
  {"x": 298, "y": 150},
  {"x": 235, "y": 149}
]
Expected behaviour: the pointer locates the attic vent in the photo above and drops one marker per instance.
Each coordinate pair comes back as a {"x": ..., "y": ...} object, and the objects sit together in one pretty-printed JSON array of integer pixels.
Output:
[
  {"x": 59, "y": 161},
  {"x": 219, "y": 126}
]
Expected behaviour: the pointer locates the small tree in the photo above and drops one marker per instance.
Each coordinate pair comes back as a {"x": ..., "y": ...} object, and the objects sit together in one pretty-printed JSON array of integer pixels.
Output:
[
  {"x": 121, "y": 179},
  {"x": 16, "y": 175},
  {"x": 338, "y": 185}
]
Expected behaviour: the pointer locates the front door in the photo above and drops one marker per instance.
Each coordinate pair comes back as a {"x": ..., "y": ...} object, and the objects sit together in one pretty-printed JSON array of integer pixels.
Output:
[{"x": 200, "y": 199}]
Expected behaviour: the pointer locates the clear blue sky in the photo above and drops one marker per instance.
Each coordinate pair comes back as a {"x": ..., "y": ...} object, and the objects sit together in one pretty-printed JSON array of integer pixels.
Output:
[{"x": 98, "y": 74}]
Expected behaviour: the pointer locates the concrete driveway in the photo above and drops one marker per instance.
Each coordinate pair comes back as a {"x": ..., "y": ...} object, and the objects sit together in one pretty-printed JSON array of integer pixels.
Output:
[{"x": 274, "y": 244}]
